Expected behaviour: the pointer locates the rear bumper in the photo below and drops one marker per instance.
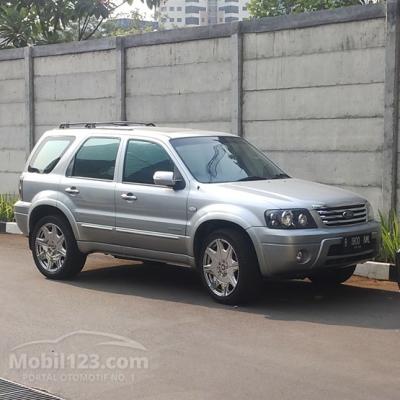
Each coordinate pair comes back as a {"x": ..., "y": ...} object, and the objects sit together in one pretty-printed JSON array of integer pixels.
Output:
[
  {"x": 277, "y": 249},
  {"x": 21, "y": 213}
]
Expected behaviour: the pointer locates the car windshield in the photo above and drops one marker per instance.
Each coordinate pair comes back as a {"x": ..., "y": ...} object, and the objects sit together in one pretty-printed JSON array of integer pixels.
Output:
[{"x": 217, "y": 159}]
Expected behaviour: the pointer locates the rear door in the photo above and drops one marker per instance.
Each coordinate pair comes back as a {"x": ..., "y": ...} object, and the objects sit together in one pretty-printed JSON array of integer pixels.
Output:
[
  {"x": 89, "y": 188},
  {"x": 149, "y": 216}
]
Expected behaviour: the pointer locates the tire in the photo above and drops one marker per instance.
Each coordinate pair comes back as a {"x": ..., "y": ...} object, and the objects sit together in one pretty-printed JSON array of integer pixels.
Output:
[
  {"x": 219, "y": 274},
  {"x": 54, "y": 248},
  {"x": 333, "y": 277}
]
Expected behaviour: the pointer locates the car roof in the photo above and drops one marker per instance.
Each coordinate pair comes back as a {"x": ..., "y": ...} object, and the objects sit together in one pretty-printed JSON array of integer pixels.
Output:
[{"x": 138, "y": 130}]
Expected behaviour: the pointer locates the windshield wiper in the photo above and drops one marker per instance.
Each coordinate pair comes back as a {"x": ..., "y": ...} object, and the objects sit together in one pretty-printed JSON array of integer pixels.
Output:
[
  {"x": 252, "y": 178},
  {"x": 280, "y": 176}
]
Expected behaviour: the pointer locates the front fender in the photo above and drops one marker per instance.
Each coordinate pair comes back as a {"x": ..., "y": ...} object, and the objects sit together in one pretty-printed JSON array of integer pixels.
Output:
[{"x": 222, "y": 212}]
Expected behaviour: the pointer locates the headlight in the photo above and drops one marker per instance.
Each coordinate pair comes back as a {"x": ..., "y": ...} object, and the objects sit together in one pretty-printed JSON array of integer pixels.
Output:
[
  {"x": 370, "y": 211},
  {"x": 289, "y": 219}
]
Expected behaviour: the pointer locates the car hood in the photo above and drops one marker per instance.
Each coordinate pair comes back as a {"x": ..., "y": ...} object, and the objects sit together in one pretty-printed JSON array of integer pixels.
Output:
[{"x": 286, "y": 193}]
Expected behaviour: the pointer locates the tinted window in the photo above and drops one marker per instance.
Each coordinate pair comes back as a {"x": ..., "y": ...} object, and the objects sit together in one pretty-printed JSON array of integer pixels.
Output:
[
  {"x": 49, "y": 154},
  {"x": 192, "y": 21},
  {"x": 194, "y": 9},
  {"x": 143, "y": 159},
  {"x": 230, "y": 9},
  {"x": 225, "y": 159},
  {"x": 96, "y": 159}
]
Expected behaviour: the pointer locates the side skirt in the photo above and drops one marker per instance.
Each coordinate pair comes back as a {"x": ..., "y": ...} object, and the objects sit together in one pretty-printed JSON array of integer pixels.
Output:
[{"x": 138, "y": 254}]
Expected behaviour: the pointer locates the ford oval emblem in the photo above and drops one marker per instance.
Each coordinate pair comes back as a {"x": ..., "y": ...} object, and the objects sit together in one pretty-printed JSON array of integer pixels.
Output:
[{"x": 348, "y": 214}]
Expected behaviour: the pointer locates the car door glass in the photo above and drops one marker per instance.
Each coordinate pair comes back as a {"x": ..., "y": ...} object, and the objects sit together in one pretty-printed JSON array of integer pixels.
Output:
[
  {"x": 49, "y": 154},
  {"x": 143, "y": 159},
  {"x": 96, "y": 159}
]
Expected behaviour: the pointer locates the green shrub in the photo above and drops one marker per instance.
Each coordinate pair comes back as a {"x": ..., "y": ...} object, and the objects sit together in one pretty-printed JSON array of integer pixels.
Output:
[
  {"x": 7, "y": 202},
  {"x": 390, "y": 241}
]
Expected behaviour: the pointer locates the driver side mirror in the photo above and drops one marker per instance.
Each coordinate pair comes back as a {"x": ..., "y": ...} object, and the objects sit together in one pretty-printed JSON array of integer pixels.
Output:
[{"x": 166, "y": 178}]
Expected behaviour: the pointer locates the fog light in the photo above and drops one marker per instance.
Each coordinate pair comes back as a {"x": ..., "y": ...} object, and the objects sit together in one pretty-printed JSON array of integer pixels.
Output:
[{"x": 301, "y": 256}]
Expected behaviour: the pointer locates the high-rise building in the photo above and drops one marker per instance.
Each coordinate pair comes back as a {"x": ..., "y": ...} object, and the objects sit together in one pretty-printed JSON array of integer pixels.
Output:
[{"x": 180, "y": 13}]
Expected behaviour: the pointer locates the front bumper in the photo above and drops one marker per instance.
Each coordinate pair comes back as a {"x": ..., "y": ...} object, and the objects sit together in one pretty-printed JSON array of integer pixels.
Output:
[{"x": 277, "y": 249}]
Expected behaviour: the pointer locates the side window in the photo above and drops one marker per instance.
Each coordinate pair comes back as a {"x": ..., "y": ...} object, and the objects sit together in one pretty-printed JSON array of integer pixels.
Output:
[
  {"x": 143, "y": 159},
  {"x": 96, "y": 159},
  {"x": 49, "y": 154}
]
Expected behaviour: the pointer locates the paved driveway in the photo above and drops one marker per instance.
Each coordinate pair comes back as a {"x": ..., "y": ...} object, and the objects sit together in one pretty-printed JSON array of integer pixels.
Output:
[{"x": 295, "y": 343}]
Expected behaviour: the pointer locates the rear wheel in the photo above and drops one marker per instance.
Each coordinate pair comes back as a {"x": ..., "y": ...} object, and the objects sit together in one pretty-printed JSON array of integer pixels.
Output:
[
  {"x": 333, "y": 277},
  {"x": 229, "y": 267},
  {"x": 54, "y": 248}
]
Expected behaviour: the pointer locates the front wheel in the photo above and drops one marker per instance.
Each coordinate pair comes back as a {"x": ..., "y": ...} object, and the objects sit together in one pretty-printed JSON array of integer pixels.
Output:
[
  {"x": 333, "y": 277},
  {"x": 229, "y": 267},
  {"x": 54, "y": 248}
]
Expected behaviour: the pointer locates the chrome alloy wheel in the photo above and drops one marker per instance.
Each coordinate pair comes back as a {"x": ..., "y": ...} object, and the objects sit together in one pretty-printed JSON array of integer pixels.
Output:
[
  {"x": 50, "y": 247},
  {"x": 221, "y": 267}
]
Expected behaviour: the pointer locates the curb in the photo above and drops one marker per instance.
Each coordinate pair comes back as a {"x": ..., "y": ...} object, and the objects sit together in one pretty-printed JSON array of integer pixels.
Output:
[
  {"x": 377, "y": 270},
  {"x": 10, "y": 227}
]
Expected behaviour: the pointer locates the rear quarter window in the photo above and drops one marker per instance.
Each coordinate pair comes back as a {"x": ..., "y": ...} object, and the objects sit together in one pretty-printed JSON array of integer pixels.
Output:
[{"x": 49, "y": 154}]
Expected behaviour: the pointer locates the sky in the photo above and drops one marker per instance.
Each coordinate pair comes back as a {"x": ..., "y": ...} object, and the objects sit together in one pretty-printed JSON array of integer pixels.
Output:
[{"x": 139, "y": 5}]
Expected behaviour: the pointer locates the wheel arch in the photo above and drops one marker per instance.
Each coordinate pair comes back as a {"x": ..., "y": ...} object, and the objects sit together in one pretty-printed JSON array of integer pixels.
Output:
[
  {"x": 44, "y": 209},
  {"x": 211, "y": 225}
]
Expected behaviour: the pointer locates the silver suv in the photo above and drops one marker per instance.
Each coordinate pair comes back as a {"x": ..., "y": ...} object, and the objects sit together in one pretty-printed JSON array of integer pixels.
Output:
[{"x": 201, "y": 199}]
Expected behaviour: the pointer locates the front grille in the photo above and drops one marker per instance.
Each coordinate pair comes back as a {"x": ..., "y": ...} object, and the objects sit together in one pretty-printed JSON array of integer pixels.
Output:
[
  {"x": 350, "y": 259},
  {"x": 343, "y": 215}
]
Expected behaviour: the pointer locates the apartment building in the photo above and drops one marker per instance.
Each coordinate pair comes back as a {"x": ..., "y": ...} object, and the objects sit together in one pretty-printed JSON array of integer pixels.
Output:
[{"x": 180, "y": 13}]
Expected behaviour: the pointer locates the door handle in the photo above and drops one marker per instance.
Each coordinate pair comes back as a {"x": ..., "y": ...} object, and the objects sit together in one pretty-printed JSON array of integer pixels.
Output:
[
  {"x": 128, "y": 196},
  {"x": 72, "y": 190}
]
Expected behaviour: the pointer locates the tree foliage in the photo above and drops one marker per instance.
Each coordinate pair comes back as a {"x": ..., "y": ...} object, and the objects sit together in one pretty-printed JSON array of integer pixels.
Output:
[
  {"x": 135, "y": 23},
  {"x": 152, "y": 3},
  {"x": 271, "y": 8},
  {"x": 30, "y": 22}
]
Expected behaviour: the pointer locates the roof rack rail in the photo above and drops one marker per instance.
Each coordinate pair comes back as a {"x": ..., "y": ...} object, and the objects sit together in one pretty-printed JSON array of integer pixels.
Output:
[{"x": 92, "y": 125}]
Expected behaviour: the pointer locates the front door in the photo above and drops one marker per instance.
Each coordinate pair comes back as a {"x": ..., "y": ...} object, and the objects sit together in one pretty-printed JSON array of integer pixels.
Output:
[
  {"x": 149, "y": 216},
  {"x": 89, "y": 188}
]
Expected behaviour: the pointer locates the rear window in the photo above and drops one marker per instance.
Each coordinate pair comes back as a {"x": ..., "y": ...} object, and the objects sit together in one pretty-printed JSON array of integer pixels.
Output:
[{"x": 49, "y": 154}]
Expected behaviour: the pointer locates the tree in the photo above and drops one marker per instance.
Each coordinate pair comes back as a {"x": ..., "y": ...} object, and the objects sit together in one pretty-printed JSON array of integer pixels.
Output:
[
  {"x": 153, "y": 4},
  {"x": 271, "y": 8},
  {"x": 28, "y": 22},
  {"x": 14, "y": 31},
  {"x": 129, "y": 25}
]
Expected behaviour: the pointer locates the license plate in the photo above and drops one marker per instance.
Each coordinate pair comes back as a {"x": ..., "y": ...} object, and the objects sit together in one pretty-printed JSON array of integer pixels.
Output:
[{"x": 357, "y": 242}]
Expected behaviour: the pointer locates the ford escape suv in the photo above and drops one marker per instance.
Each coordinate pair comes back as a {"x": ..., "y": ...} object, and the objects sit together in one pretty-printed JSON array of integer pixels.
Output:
[{"x": 201, "y": 199}]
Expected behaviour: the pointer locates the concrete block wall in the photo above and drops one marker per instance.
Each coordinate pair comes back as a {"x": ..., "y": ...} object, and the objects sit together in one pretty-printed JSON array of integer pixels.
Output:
[
  {"x": 314, "y": 99},
  {"x": 12, "y": 123},
  {"x": 73, "y": 88},
  {"x": 180, "y": 84},
  {"x": 317, "y": 92}
]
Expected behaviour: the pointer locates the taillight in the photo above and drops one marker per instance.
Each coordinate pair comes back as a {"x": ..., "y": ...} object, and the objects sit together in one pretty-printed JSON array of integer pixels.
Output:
[{"x": 20, "y": 187}]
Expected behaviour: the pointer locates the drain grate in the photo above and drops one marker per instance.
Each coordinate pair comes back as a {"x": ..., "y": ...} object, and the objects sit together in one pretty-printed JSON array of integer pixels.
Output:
[{"x": 14, "y": 391}]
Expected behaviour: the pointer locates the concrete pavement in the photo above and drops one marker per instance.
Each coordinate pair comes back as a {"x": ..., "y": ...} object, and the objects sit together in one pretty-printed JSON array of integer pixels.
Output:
[{"x": 297, "y": 342}]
